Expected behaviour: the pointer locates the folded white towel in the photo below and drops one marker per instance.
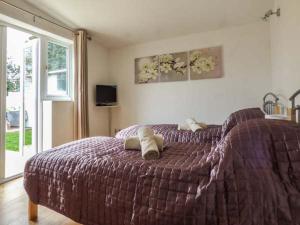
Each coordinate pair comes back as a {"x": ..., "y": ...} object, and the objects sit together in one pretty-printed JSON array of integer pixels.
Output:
[
  {"x": 193, "y": 125},
  {"x": 148, "y": 145},
  {"x": 185, "y": 126},
  {"x": 133, "y": 143}
]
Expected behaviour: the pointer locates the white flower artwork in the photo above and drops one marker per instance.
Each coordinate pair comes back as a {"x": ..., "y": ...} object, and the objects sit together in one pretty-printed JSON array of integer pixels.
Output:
[
  {"x": 173, "y": 67},
  {"x": 206, "y": 63},
  {"x": 200, "y": 64},
  {"x": 146, "y": 70}
]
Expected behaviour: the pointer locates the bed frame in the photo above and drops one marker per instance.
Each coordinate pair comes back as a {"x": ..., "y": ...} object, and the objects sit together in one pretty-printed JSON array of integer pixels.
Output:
[{"x": 32, "y": 211}]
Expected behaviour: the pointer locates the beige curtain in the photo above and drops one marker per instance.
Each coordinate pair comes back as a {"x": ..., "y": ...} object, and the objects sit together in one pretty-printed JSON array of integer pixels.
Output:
[{"x": 81, "y": 118}]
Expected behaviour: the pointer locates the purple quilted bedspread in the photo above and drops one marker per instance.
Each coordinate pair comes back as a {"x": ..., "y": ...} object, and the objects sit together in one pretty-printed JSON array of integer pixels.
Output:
[
  {"x": 171, "y": 134},
  {"x": 252, "y": 176},
  {"x": 213, "y": 133}
]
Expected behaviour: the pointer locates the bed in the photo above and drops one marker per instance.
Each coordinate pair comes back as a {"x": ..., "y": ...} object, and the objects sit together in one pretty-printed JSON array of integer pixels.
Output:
[{"x": 251, "y": 176}]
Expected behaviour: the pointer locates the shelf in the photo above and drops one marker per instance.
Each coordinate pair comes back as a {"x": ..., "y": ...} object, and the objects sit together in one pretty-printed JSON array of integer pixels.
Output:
[
  {"x": 109, "y": 107},
  {"x": 277, "y": 117}
]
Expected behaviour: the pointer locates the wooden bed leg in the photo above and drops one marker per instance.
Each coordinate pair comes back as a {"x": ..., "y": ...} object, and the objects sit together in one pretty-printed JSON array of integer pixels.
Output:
[{"x": 32, "y": 211}]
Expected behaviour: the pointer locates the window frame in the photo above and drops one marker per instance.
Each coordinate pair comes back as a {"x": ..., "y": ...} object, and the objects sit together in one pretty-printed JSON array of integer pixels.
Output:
[
  {"x": 3, "y": 91},
  {"x": 66, "y": 42},
  {"x": 69, "y": 68}
]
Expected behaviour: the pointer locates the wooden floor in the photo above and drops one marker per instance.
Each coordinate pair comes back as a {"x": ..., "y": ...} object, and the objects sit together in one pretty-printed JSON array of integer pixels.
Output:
[{"x": 13, "y": 208}]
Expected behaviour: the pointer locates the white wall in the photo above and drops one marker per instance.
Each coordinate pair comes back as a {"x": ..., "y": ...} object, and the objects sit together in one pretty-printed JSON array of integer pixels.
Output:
[
  {"x": 247, "y": 78},
  {"x": 98, "y": 74},
  {"x": 285, "y": 48},
  {"x": 63, "y": 114}
]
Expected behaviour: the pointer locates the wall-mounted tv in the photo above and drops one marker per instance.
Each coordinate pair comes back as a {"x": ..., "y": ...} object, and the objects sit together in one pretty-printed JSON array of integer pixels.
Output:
[{"x": 106, "y": 95}]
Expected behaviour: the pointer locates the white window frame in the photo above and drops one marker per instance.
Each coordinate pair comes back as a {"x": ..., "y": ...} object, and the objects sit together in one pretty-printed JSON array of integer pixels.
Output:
[
  {"x": 2, "y": 103},
  {"x": 44, "y": 71},
  {"x": 43, "y": 62}
]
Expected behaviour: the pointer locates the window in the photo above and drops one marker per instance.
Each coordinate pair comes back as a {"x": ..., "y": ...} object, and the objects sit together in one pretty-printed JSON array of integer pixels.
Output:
[{"x": 58, "y": 80}]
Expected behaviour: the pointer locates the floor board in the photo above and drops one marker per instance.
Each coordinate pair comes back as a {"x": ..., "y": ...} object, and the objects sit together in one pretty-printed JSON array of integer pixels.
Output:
[{"x": 13, "y": 208}]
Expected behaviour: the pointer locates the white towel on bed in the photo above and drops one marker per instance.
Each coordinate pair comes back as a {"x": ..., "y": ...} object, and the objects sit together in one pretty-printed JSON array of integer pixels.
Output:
[
  {"x": 193, "y": 124},
  {"x": 133, "y": 143},
  {"x": 185, "y": 126},
  {"x": 148, "y": 145}
]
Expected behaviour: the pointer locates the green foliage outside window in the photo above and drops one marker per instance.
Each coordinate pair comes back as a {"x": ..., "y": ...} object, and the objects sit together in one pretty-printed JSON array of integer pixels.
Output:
[
  {"x": 57, "y": 57},
  {"x": 13, "y": 76}
]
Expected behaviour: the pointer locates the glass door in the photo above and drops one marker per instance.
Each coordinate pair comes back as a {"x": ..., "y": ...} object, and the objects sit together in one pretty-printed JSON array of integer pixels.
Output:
[
  {"x": 21, "y": 100},
  {"x": 33, "y": 68}
]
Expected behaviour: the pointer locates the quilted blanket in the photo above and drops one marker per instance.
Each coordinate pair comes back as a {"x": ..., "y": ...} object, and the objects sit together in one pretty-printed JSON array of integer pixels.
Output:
[
  {"x": 171, "y": 134},
  {"x": 251, "y": 176},
  {"x": 213, "y": 133}
]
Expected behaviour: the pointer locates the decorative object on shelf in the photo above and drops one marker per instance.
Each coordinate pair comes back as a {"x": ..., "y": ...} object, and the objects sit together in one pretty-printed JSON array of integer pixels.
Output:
[
  {"x": 273, "y": 107},
  {"x": 269, "y": 105},
  {"x": 200, "y": 64},
  {"x": 206, "y": 63}
]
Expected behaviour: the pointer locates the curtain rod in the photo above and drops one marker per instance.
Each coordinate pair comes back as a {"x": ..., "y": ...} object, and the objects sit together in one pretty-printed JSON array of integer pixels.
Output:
[{"x": 38, "y": 16}]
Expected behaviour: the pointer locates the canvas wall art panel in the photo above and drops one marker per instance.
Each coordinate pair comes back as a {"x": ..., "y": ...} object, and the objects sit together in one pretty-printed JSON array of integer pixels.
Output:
[
  {"x": 173, "y": 67},
  {"x": 206, "y": 63},
  {"x": 194, "y": 65},
  {"x": 147, "y": 70}
]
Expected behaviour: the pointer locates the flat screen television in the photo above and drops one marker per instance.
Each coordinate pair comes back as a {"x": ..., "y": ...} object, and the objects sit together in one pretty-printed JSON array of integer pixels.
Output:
[{"x": 106, "y": 95}]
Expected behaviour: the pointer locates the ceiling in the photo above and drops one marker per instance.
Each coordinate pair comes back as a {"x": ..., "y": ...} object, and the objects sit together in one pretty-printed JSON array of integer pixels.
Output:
[{"x": 117, "y": 23}]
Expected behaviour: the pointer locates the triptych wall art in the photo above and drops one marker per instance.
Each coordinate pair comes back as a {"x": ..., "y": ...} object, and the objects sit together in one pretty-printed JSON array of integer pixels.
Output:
[{"x": 194, "y": 65}]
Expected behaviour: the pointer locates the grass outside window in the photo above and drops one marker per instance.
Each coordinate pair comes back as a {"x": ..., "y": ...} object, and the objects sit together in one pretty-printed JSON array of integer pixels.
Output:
[{"x": 12, "y": 140}]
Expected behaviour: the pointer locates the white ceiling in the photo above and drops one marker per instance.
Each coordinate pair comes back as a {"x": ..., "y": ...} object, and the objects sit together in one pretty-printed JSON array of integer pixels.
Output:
[{"x": 116, "y": 23}]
